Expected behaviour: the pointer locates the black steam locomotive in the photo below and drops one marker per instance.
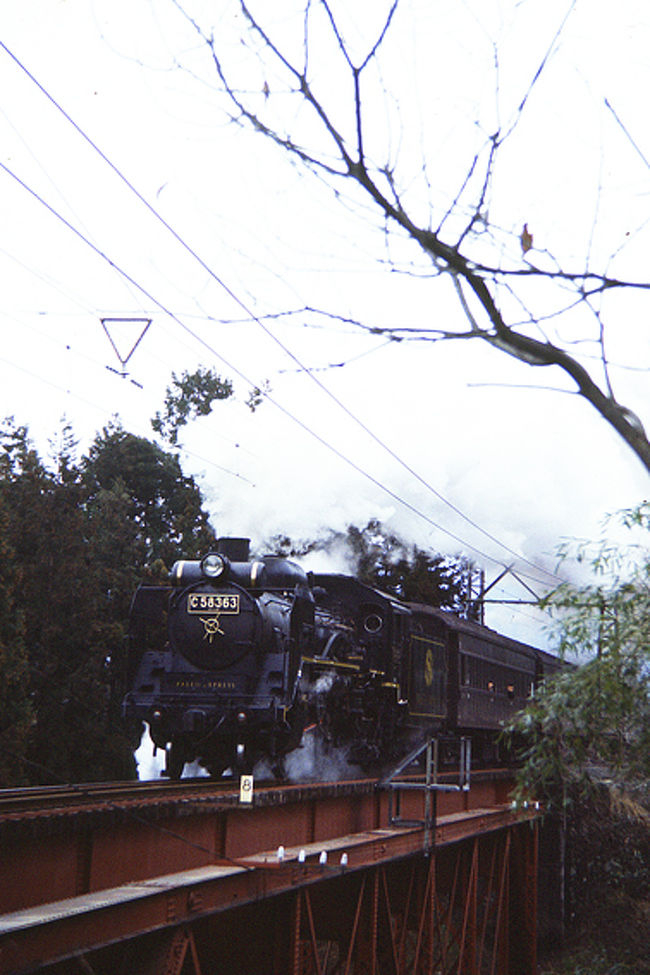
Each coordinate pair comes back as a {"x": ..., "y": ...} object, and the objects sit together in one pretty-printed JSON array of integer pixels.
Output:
[{"x": 236, "y": 659}]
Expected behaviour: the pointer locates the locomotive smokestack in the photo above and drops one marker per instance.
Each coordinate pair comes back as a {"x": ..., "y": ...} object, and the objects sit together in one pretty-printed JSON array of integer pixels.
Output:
[{"x": 235, "y": 549}]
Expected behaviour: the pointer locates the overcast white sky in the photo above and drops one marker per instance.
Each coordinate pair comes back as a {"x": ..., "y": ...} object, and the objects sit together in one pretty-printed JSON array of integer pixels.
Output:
[{"x": 527, "y": 465}]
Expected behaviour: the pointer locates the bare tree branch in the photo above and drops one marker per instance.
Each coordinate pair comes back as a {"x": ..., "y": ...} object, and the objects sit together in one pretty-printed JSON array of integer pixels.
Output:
[{"x": 479, "y": 284}]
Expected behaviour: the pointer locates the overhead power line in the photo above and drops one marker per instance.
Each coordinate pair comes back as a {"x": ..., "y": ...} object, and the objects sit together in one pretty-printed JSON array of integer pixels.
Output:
[
  {"x": 301, "y": 366},
  {"x": 238, "y": 372}
]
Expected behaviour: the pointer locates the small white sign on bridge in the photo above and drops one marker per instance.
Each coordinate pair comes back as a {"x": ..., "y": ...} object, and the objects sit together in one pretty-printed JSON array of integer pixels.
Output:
[{"x": 246, "y": 788}]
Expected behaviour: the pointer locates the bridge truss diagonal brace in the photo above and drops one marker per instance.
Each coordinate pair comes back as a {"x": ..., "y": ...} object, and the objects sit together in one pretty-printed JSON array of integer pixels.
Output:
[
  {"x": 171, "y": 955},
  {"x": 466, "y": 906},
  {"x": 467, "y": 910}
]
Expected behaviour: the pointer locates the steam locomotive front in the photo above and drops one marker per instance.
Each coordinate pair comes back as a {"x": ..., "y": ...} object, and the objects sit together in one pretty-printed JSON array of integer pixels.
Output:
[
  {"x": 223, "y": 691},
  {"x": 214, "y": 620}
]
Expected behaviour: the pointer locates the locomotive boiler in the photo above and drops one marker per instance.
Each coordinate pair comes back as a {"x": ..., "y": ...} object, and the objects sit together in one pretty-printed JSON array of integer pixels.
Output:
[{"x": 236, "y": 659}]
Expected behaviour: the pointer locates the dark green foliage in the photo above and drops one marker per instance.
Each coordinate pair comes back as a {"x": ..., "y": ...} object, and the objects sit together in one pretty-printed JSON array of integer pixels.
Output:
[
  {"x": 257, "y": 394},
  {"x": 586, "y": 750},
  {"x": 594, "y": 722},
  {"x": 16, "y": 709},
  {"x": 75, "y": 541},
  {"x": 607, "y": 886},
  {"x": 189, "y": 396},
  {"x": 586, "y": 724},
  {"x": 385, "y": 561},
  {"x": 163, "y": 506}
]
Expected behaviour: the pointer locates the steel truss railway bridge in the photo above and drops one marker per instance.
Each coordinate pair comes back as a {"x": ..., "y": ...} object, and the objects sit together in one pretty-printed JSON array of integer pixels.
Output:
[{"x": 413, "y": 876}]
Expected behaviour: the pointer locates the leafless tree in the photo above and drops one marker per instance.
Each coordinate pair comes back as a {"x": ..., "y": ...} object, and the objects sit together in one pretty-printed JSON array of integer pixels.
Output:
[{"x": 273, "y": 80}]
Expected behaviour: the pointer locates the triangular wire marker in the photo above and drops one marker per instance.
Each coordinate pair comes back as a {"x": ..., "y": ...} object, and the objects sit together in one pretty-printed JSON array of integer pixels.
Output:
[{"x": 145, "y": 322}]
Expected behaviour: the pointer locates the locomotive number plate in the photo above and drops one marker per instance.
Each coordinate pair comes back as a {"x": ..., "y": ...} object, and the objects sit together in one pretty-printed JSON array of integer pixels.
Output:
[{"x": 202, "y": 603}]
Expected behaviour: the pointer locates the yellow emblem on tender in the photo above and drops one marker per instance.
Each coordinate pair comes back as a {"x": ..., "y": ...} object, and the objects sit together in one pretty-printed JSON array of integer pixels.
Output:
[{"x": 428, "y": 667}]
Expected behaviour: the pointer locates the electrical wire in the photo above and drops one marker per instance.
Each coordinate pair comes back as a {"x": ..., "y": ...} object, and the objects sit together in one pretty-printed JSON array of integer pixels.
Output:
[
  {"x": 238, "y": 372},
  {"x": 102, "y": 410},
  {"x": 283, "y": 347}
]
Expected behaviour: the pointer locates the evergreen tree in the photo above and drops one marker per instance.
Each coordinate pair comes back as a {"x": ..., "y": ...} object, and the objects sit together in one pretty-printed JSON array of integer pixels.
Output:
[
  {"x": 76, "y": 540},
  {"x": 586, "y": 744},
  {"x": 191, "y": 395},
  {"x": 384, "y": 560},
  {"x": 16, "y": 708},
  {"x": 165, "y": 505}
]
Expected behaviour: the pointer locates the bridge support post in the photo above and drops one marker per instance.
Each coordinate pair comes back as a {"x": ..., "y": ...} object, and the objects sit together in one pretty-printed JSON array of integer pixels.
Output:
[{"x": 523, "y": 900}]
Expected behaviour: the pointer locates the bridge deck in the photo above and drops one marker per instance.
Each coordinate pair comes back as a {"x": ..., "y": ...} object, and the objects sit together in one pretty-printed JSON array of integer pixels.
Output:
[
  {"x": 63, "y": 929},
  {"x": 135, "y": 883}
]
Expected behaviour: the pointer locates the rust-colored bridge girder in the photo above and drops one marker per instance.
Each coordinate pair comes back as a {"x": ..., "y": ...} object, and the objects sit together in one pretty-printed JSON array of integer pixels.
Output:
[
  {"x": 466, "y": 905},
  {"x": 106, "y": 844},
  {"x": 457, "y": 911}
]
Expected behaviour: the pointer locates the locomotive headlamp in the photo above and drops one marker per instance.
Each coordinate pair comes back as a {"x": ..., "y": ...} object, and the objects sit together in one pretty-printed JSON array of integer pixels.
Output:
[{"x": 213, "y": 565}]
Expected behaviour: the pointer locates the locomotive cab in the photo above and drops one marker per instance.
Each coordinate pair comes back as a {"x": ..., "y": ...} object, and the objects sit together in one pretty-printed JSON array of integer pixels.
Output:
[{"x": 376, "y": 621}]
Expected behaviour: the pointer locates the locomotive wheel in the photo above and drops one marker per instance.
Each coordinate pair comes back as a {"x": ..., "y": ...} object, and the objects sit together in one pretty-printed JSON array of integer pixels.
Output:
[{"x": 215, "y": 767}]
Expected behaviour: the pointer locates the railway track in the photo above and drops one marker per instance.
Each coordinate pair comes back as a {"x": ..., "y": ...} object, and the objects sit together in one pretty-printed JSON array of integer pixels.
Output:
[
  {"x": 39, "y": 801},
  {"x": 85, "y": 799}
]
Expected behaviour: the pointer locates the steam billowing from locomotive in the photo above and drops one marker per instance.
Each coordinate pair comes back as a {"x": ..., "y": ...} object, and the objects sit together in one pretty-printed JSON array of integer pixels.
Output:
[{"x": 235, "y": 659}]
